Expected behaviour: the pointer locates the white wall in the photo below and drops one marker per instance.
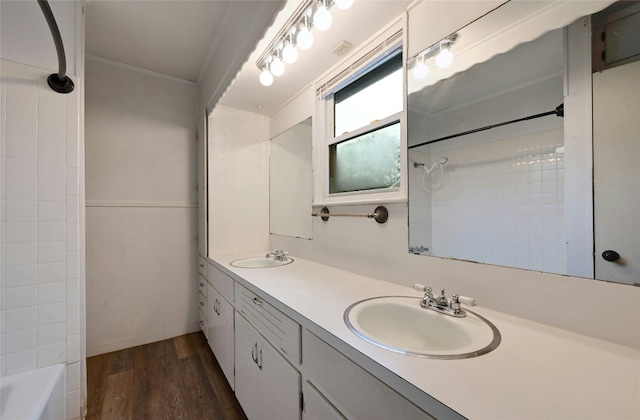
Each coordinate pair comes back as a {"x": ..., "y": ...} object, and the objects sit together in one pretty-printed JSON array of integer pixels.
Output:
[
  {"x": 42, "y": 233},
  {"x": 238, "y": 181},
  {"x": 141, "y": 207}
]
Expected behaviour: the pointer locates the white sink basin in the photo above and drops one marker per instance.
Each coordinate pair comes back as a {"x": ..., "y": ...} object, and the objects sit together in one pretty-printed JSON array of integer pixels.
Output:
[
  {"x": 399, "y": 324},
  {"x": 260, "y": 262}
]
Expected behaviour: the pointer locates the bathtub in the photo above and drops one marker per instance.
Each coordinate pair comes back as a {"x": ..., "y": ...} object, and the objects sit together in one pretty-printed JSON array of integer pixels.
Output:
[{"x": 34, "y": 395}]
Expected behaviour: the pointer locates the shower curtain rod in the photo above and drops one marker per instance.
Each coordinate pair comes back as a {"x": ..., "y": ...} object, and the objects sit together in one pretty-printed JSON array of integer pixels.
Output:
[
  {"x": 559, "y": 111},
  {"x": 58, "y": 82}
]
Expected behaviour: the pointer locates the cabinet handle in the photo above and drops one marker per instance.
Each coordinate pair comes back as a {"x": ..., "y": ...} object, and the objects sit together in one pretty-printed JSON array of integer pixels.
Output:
[
  {"x": 254, "y": 353},
  {"x": 202, "y": 265},
  {"x": 201, "y": 303},
  {"x": 259, "y": 361},
  {"x": 201, "y": 284},
  {"x": 257, "y": 301}
]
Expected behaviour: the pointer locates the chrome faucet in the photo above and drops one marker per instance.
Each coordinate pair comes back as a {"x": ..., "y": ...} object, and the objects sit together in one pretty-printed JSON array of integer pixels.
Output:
[
  {"x": 443, "y": 305},
  {"x": 278, "y": 255}
]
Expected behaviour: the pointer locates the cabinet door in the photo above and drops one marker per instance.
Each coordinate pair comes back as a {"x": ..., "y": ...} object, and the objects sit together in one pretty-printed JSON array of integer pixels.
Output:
[
  {"x": 267, "y": 386},
  {"x": 222, "y": 329},
  {"x": 247, "y": 371},
  {"x": 316, "y": 407}
]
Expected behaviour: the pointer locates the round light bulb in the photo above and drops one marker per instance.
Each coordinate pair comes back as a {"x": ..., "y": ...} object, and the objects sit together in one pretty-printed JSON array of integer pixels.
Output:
[
  {"x": 444, "y": 58},
  {"x": 289, "y": 53},
  {"x": 304, "y": 38},
  {"x": 343, "y": 4},
  {"x": 277, "y": 66},
  {"x": 421, "y": 70},
  {"x": 322, "y": 18},
  {"x": 266, "y": 78}
]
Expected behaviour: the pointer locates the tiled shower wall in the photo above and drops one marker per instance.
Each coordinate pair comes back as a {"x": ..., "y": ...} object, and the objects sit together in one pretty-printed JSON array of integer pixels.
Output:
[
  {"x": 40, "y": 302},
  {"x": 503, "y": 203}
]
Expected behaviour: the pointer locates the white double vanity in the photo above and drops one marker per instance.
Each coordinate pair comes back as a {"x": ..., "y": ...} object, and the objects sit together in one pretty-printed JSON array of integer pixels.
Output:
[{"x": 280, "y": 337}]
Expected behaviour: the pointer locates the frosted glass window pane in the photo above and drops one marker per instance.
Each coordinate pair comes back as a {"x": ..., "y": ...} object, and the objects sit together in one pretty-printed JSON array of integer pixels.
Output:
[
  {"x": 370, "y": 161},
  {"x": 373, "y": 97}
]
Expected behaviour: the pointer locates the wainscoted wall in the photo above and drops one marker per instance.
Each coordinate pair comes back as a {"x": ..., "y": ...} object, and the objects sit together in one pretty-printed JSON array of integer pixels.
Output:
[
  {"x": 141, "y": 206},
  {"x": 41, "y": 275}
]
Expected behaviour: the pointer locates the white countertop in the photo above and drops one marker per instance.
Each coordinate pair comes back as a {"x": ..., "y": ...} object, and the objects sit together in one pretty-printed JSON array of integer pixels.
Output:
[{"x": 537, "y": 371}]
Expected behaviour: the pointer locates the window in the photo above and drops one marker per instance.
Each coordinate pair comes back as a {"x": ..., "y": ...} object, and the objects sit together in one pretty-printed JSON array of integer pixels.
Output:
[{"x": 362, "y": 140}]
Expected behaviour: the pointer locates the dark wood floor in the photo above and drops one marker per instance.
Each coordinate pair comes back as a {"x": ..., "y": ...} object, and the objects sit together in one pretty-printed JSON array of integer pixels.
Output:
[{"x": 172, "y": 379}]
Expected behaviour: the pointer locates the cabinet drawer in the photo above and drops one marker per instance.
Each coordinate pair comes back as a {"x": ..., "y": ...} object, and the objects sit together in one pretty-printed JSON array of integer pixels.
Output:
[
  {"x": 202, "y": 267},
  {"x": 222, "y": 282},
  {"x": 202, "y": 286},
  {"x": 280, "y": 330},
  {"x": 202, "y": 304},
  {"x": 202, "y": 320},
  {"x": 351, "y": 389}
]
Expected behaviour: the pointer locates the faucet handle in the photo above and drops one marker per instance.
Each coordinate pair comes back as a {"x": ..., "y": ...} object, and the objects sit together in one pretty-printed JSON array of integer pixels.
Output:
[
  {"x": 467, "y": 300},
  {"x": 422, "y": 288}
]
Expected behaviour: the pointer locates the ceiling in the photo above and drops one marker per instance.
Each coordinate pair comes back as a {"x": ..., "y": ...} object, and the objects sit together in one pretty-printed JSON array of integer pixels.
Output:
[{"x": 181, "y": 39}]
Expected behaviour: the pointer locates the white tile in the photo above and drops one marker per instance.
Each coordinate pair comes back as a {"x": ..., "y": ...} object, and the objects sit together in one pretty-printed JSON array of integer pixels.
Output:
[
  {"x": 20, "y": 103},
  {"x": 21, "y": 211},
  {"x": 21, "y": 340},
  {"x": 52, "y": 190},
  {"x": 52, "y": 252},
  {"x": 73, "y": 292},
  {"x": 73, "y": 405},
  {"x": 73, "y": 376},
  {"x": 21, "y": 362},
  {"x": 73, "y": 207},
  {"x": 73, "y": 236},
  {"x": 20, "y": 319},
  {"x": 22, "y": 126},
  {"x": 73, "y": 320},
  {"x": 20, "y": 297},
  {"x": 52, "y": 272},
  {"x": 3, "y": 344},
  {"x": 53, "y": 130},
  {"x": 3, "y": 364},
  {"x": 73, "y": 348},
  {"x": 52, "y": 150},
  {"x": 53, "y": 107},
  {"x": 52, "y": 231},
  {"x": 21, "y": 232},
  {"x": 73, "y": 150},
  {"x": 21, "y": 189},
  {"x": 52, "y": 355},
  {"x": 52, "y": 211},
  {"x": 73, "y": 180},
  {"x": 52, "y": 293},
  {"x": 25, "y": 147},
  {"x": 52, "y": 313},
  {"x": 73, "y": 264},
  {"x": 21, "y": 275},
  {"x": 52, "y": 334},
  {"x": 21, "y": 168},
  {"x": 51, "y": 170},
  {"x": 19, "y": 254}
]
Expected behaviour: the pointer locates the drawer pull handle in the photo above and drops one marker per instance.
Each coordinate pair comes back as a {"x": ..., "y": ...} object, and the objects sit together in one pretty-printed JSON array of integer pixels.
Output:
[
  {"x": 201, "y": 284},
  {"x": 201, "y": 303},
  {"x": 257, "y": 301},
  {"x": 202, "y": 265},
  {"x": 254, "y": 353}
]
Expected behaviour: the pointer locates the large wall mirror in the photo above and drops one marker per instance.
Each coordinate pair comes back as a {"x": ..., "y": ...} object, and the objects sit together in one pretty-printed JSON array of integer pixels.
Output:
[
  {"x": 525, "y": 153},
  {"x": 291, "y": 182}
]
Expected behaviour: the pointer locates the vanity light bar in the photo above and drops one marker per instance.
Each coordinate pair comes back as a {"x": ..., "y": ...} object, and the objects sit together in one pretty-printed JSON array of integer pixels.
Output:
[
  {"x": 441, "y": 50},
  {"x": 295, "y": 33}
]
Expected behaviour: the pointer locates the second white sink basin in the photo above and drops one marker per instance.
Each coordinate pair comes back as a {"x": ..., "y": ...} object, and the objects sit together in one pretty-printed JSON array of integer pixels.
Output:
[
  {"x": 260, "y": 262},
  {"x": 399, "y": 324}
]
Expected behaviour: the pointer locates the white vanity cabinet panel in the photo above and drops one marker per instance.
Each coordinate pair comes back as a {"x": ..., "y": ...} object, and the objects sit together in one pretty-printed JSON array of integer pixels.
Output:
[
  {"x": 202, "y": 267},
  {"x": 202, "y": 286},
  {"x": 204, "y": 324},
  {"x": 349, "y": 388},
  {"x": 279, "y": 329},
  {"x": 220, "y": 337},
  {"x": 267, "y": 385},
  {"x": 316, "y": 407},
  {"x": 222, "y": 282}
]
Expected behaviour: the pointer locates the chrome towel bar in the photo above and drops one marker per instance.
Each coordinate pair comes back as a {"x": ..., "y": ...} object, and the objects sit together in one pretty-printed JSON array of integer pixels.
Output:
[{"x": 380, "y": 214}]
